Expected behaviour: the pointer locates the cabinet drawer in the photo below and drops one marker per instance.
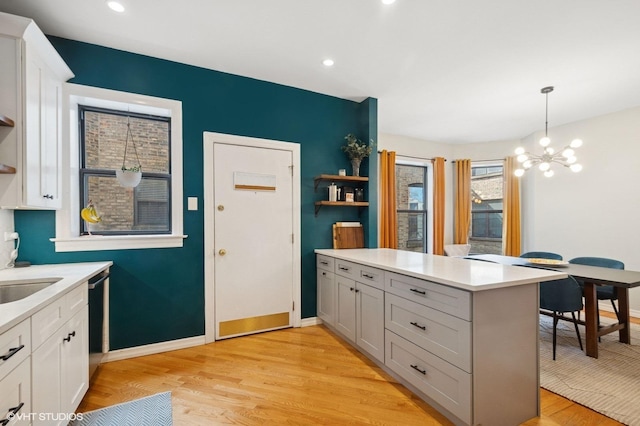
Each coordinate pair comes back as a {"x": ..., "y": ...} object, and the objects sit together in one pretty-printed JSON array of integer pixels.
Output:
[
  {"x": 447, "y": 385},
  {"x": 444, "y": 335},
  {"x": 371, "y": 276},
  {"x": 449, "y": 300},
  {"x": 324, "y": 262},
  {"x": 46, "y": 321},
  {"x": 347, "y": 269},
  {"x": 15, "y": 345},
  {"x": 76, "y": 299},
  {"x": 15, "y": 394}
]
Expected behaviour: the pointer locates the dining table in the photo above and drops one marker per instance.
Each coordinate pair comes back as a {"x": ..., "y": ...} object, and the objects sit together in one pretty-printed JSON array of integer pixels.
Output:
[{"x": 592, "y": 276}]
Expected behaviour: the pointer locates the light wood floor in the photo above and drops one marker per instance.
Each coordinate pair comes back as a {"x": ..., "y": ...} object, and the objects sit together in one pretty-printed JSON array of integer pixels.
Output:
[{"x": 302, "y": 376}]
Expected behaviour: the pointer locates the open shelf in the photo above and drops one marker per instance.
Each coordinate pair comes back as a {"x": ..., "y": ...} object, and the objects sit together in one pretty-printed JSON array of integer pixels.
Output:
[
  {"x": 6, "y": 121},
  {"x": 337, "y": 178},
  {"x": 360, "y": 204},
  {"x": 7, "y": 170}
]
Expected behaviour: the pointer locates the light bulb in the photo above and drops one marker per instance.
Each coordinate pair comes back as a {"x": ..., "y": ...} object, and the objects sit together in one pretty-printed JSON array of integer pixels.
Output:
[
  {"x": 519, "y": 172},
  {"x": 115, "y": 6},
  {"x": 544, "y": 166},
  {"x": 522, "y": 158},
  {"x": 568, "y": 153},
  {"x": 549, "y": 150},
  {"x": 527, "y": 164},
  {"x": 576, "y": 143},
  {"x": 572, "y": 160},
  {"x": 548, "y": 173},
  {"x": 328, "y": 62},
  {"x": 519, "y": 150},
  {"x": 575, "y": 167},
  {"x": 545, "y": 141}
]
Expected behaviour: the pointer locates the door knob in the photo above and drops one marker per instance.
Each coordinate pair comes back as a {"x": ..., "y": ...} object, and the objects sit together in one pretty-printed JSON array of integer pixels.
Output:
[
  {"x": 222, "y": 252},
  {"x": 220, "y": 207}
]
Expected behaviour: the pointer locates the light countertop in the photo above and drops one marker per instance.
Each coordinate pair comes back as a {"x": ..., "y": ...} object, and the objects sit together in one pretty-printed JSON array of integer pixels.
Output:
[
  {"x": 70, "y": 275},
  {"x": 465, "y": 274}
]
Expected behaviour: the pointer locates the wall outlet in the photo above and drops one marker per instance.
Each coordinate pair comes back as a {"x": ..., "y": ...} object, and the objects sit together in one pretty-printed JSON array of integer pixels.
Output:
[{"x": 8, "y": 236}]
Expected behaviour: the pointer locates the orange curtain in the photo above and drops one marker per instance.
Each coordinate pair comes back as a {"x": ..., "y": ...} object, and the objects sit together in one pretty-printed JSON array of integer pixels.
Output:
[
  {"x": 438, "y": 205},
  {"x": 388, "y": 212},
  {"x": 463, "y": 202},
  {"x": 511, "y": 210}
]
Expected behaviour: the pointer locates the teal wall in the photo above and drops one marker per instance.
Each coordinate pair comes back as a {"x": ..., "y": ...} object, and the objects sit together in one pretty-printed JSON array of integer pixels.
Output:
[{"x": 157, "y": 294}]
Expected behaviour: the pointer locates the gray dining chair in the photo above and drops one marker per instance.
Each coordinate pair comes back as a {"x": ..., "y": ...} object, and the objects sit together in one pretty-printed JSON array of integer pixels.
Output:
[
  {"x": 603, "y": 292},
  {"x": 541, "y": 255},
  {"x": 558, "y": 297}
]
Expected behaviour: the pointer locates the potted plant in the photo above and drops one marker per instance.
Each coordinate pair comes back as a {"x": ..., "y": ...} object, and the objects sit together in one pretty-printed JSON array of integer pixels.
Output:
[{"x": 356, "y": 150}]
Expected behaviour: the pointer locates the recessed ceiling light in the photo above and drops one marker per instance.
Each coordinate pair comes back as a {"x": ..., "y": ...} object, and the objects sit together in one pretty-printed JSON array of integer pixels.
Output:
[
  {"x": 115, "y": 6},
  {"x": 388, "y": 1},
  {"x": 328, "y": 62}
]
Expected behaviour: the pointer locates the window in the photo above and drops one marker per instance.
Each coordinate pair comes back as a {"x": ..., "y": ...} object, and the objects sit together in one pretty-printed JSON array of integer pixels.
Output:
[
  {"x": 412, "y": 202},
  {"x": 486, "y": 209},
  {"x": 140, "y": 210},
  {"x": 148, "y": 216}
]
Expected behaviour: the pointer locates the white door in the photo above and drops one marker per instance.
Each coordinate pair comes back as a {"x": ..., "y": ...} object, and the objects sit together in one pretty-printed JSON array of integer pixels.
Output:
[{"x": 253, "y": 239}]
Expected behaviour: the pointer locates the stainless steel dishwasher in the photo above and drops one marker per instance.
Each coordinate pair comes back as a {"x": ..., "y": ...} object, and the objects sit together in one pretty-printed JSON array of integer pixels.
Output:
[{"x": 97, "y": 288}]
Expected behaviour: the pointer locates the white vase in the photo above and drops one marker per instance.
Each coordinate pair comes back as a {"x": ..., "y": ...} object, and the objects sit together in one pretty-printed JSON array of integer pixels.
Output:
[{"x": 127, "y": 178}]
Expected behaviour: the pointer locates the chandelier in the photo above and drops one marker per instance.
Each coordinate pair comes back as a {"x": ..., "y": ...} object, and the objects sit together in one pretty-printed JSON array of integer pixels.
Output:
[{"x": 565, "y": 157}]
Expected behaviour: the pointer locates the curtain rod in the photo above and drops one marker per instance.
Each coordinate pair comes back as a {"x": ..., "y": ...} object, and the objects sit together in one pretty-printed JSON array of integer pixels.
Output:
[
  {"x": 493, "y": 159},
  {"x": 413, "y": 156}
]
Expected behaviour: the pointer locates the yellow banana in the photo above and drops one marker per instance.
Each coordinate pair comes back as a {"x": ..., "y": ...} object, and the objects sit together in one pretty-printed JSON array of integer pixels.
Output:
[{"x": 89, "y": 214}]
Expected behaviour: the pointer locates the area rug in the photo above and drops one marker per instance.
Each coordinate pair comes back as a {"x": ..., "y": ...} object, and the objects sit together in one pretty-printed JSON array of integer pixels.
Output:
[
  {"x": 609, "y": 385},
  {"x": 154, "y": 410}
]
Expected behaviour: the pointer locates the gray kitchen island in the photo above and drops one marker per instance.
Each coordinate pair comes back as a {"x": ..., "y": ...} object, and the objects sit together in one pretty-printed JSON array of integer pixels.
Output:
[{"x": 461, "y": 334}]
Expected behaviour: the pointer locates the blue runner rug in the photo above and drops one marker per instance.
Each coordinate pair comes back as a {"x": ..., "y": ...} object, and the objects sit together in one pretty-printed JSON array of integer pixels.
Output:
[{"x": 154, "y": 410}]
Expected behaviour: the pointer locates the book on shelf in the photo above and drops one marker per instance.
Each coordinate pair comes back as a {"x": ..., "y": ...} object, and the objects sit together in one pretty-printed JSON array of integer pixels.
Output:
[{"x": 348, "y": 224}]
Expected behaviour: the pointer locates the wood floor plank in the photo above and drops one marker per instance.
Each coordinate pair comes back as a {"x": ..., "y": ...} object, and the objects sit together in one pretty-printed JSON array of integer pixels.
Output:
[{"x": 301, "y": 376}]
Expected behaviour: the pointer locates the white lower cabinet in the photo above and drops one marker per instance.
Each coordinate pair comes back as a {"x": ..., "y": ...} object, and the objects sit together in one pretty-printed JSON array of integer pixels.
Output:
[
  {"x": 15, "y": 395},
  {"x": 15, "y": 374},
  {"x": 61, "y": 369}
]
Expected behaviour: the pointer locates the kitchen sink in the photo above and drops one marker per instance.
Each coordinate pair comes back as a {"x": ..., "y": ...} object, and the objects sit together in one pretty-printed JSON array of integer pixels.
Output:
[{"x": 15, "y": 290}]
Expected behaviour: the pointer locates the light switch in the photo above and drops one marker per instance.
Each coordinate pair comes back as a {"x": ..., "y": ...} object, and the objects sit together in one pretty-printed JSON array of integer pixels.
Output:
[{"x": 192, "y": 203}]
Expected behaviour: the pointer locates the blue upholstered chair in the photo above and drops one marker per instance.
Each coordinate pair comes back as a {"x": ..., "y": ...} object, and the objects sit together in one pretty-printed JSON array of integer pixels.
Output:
[
  {"x": 558, "y": 297},
  {"x": 541, "y": 255},
  {"x": 604, "y": 292}
]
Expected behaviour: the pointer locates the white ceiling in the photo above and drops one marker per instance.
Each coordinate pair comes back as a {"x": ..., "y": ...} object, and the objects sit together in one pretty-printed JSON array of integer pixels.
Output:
[{"x": 442, "y": 70}]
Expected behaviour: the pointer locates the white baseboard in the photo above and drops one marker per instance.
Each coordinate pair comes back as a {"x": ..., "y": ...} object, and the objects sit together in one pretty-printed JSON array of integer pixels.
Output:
[
  {"x": 154, "y": 348},
  {"x": 606, "y": 306},
  {"x": 307, "y": 322}
]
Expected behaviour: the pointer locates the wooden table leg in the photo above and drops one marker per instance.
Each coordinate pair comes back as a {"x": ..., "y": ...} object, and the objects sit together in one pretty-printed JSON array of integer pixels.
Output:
[
  {"x": 623, "y": 314},
  {"x": 591, "y": 319}
]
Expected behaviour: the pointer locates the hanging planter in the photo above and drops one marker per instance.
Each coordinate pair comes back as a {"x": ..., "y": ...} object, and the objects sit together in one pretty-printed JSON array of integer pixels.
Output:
[{"x": 129, "y": 177}]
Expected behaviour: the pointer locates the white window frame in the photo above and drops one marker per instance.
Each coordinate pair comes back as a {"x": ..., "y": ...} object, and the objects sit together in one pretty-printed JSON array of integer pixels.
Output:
[{"x": 68, "y": 238}]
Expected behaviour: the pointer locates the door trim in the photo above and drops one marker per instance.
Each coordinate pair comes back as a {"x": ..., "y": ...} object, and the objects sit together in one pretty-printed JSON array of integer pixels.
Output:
[{"x": 209, "y": 139}]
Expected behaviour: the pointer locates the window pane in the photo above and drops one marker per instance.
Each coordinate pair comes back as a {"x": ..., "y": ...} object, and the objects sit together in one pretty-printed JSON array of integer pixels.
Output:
[
  {"x": 486, "y": 209},
  {"x": 105, "y": 136},
  {"x": 410, "y": 187},
  {"x": 411, "y": 231},
  {"x": 126, "y": 210}
]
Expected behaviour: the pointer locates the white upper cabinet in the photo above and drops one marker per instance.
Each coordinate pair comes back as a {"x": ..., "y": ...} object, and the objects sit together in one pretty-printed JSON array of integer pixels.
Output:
[{"x": 33, "y": 100}]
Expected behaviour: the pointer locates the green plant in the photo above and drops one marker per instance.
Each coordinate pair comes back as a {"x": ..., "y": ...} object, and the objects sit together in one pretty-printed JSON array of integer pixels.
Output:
[
  {"x": 137, "y": 168},
  {"x": 356, "y": 149}
]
